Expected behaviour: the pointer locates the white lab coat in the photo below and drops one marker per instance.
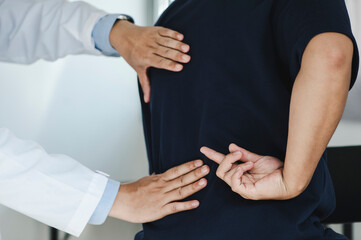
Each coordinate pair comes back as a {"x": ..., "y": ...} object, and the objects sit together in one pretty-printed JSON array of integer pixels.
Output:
[
  {"x": 52, "y": 189},
  {"x": 45, "y": 29}
]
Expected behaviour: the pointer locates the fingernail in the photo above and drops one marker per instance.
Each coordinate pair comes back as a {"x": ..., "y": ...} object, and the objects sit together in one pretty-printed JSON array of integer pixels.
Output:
[
  {"x": 195, "y": 204},
  {"x": 205, "y": 169},
  {"x": 180, "y": 36},
  {"x": 178, "y": 67},
  {"x": 185, "y": 48},
  {"x": 198, "y": 163},
  {"x": 186, "y": 57},
  {"x": 202, "y": 182}
]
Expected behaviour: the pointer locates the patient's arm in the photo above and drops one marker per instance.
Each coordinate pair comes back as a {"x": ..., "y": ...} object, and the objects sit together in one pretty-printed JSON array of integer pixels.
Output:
[{"x": 318, "y": 100}]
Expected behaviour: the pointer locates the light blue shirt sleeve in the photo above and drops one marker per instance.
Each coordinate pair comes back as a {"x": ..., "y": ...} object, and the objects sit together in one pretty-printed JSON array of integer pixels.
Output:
[
  {"x": 105, "y": 205},
  {"x": 101, "y": 33}
]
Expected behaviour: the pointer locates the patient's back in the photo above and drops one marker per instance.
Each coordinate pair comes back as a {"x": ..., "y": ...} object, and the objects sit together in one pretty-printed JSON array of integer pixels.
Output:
[{"x": 236, "y": 89}]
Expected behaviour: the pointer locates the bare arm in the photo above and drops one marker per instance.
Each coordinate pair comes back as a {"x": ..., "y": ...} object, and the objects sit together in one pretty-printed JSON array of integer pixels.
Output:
[{"x": 317, "y": 103}]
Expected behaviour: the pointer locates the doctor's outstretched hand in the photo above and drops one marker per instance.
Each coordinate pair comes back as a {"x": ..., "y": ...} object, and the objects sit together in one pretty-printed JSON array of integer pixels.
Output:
[
  {"x": 156, "y": 196},
  {"x": 144, "y": 47},
  {"x": 255, "y": 178}
]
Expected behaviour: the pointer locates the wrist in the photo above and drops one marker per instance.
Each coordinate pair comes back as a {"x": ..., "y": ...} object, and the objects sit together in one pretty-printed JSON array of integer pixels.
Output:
[
  {"x": 294, "y": 185},
  {"x": 118, "y": 209},
  {"x": 119, "y": 36}
]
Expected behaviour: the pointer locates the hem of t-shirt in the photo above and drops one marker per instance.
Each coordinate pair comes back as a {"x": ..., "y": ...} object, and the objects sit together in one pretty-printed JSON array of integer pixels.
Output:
[{"x": 303, "y": 43}]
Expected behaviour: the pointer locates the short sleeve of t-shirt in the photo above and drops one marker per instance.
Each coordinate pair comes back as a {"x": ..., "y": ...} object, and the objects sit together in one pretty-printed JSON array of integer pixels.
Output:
[{"x": 296, "y": 22}]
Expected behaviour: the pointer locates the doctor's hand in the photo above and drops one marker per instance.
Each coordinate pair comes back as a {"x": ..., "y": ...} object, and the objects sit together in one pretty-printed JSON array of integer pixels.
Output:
[
  {"x": 250, "y": 175},
  {"x": 154, "y": 197},
  {"x": 144, "y": 47}
]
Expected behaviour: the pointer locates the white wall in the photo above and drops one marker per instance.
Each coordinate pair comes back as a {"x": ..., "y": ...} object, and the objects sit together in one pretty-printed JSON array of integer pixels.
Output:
[{"x": 83, "y": 106}]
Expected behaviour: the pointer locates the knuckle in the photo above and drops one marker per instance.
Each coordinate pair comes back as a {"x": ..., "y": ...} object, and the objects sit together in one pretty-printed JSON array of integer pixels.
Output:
[
  {"x": 181, "y": 180},
  {"x": 173, "y": 33},
  {"x": 168, "y": 32},
  {"x": 159, "y": 180},
  {"x": 179, "y": 46},
  {"x": 180, "y": 192},
  {"x": 161, "y": 61},
  {"x": 190, "y": 166},
  {"x": 166, "y": 51},
  {"x": 175, "y": 171},
  {"x": 165, "y": 41},
  {"x": 174, "y": 208},
  {"x": 179, "y": 56},
  {"x": 171, "y": 64},
  {"x": 197, "y": 174}
]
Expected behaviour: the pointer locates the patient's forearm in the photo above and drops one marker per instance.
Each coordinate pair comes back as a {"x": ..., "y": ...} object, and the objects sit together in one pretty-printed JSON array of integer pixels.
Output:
[{"x": 318, "y": 101}]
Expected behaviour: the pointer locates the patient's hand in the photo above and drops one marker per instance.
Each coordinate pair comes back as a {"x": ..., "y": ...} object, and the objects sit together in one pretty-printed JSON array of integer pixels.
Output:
[
  {"x": 154, "y": 197},
  {"x": 257, "y": 178}
]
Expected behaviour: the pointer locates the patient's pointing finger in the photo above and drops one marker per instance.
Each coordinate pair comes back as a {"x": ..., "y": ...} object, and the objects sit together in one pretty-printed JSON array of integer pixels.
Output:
[{"x": 213, "y": 155}]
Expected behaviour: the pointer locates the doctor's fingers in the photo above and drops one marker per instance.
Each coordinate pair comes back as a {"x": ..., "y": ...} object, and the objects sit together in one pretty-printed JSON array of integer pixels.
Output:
[
  {"x": 158, "y": 61},
  {"x": 180, "y": 170},
  {"x": 187, "y": 179},
  {"x": 186, "y": 191},
  {"x": 228, "y": 163},
  {"x": 177, "y": 207},
  {"x": 172, "y": 54},
  {"x": 145, "y": 84},
  {"x": 174, "y": 44},
  {"x": 165, "y": 32}
]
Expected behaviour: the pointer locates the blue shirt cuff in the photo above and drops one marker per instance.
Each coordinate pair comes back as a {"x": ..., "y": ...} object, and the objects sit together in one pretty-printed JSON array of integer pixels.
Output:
[
  {"x": 105, "y": 205},
  {"x": 101, "y": 32}
]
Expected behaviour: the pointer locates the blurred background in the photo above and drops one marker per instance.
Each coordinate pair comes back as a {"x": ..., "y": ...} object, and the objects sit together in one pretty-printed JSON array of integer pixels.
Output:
[{"x": 87, "y": 107}]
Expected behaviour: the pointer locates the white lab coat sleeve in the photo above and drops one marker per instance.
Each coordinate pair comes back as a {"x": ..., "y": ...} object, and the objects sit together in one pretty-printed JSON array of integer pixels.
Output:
[
  {"x": 53, "y": 189},
  {"x": 46, "y": 29}
]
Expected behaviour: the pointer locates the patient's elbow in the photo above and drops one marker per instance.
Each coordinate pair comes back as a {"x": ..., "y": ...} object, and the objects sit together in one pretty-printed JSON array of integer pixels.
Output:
[
  {"x": 333, "y": 51},
  {"x": 337, "y": 58}
]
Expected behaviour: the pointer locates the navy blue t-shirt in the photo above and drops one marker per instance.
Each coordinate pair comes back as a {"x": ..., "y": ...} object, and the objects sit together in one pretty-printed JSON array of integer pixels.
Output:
[{"x": 236, "y": 89}]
